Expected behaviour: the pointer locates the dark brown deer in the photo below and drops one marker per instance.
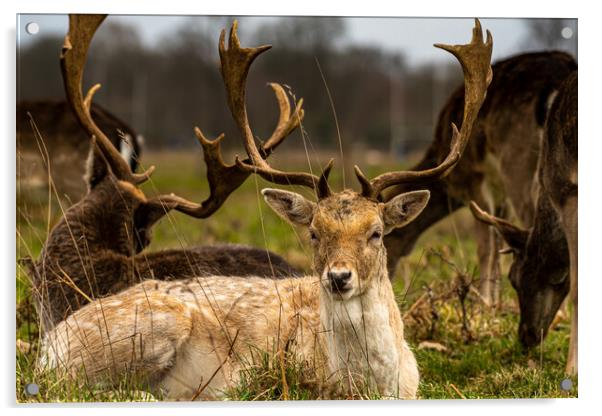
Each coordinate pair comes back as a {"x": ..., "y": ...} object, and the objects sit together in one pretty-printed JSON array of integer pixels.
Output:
[
  {"x": 544, "y": 269},
  {"x": 500, "y": 160},
  {"x": 67, "y": 146},
  {"x": 96, "y": 248}
]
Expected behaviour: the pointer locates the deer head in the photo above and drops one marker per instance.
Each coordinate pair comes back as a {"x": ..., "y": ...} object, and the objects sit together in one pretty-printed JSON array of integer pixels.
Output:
[
  {"x": 539, "y": 271},
  {"x": 347, "y": 228}
]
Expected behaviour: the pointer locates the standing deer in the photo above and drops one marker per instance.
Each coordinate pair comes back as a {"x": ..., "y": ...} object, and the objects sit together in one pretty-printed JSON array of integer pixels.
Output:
[
  {"x": 191, "y": 338},
  {"x": 501, "y": 158},
  {"x": 96, "y": 249},
  {"x": 66, "y": 144},
  {"x": 545, "y": 255}
]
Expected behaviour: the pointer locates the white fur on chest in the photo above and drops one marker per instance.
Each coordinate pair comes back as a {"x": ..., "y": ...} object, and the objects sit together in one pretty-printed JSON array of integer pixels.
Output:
[{"x": 362, "y": 343}]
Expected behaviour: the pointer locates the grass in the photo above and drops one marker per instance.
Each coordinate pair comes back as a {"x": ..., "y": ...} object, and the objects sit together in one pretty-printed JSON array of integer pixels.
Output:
[{"x": 477, "y": 354}]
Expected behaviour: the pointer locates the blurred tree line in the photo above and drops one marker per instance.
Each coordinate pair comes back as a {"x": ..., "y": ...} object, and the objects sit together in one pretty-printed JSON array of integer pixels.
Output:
[{"x": 166, "y": 90}]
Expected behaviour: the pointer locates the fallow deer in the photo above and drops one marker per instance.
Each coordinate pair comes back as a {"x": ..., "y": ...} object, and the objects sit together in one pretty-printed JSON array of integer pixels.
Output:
[
  {"x": 66, "y": 146},
  {"x": 96, "y": 248},
  {"x": 544, "y": 269},
  {"x": 193, "y": 337},
  {"x": 498, "y": 167}
]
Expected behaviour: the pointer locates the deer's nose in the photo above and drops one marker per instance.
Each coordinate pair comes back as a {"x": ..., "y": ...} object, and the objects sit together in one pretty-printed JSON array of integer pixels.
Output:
[{"x": 339, "y": 278}]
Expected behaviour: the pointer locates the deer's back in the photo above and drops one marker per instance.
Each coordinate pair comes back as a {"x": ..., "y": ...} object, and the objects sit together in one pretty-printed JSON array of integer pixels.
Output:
[
  {"x": 201, "y": 322},
  {"x": 224, "y": 260},
  {"x": 65, "y": 142},
  {"x": 559, "y": 148},
  {"x": 505, "y": 143}
]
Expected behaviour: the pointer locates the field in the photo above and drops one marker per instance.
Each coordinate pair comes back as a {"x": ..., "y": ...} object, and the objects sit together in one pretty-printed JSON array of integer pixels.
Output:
[{"x": 463, "y": 349}]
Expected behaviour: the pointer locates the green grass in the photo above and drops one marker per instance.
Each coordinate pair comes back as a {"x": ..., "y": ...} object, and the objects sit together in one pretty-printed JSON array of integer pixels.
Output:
[{"x": 483, "y": 360}]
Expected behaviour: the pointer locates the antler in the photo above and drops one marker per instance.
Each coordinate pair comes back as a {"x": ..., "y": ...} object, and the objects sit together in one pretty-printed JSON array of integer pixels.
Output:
[
  {"x": 73, "y": 60},
  {"x": 236, "y": 62},
  {"x": 223, "y": 179},
  {"x": 515, "y": 236},
  {"x": 475, "y": 59}
]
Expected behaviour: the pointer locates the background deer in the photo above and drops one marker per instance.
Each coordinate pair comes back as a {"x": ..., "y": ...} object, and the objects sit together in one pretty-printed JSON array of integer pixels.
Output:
[
  {"x": 545, "y": 252},
  {"x": 499, "y": 165},
  {"x": 193, "y": 337},
  {"x": 65, "y": 146},
  {"x": 96, "y": 248}
]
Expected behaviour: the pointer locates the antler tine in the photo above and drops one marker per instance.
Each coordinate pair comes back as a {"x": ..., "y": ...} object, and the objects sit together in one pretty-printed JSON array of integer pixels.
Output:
[
  {"x": 480, "y": 214},
  {"x": 490, "y": 219},
  {"x": 475, "y": 59},
  {"x": 73, "y": 59},
  {"x": 287, "y": 122},
  {"x": 223, "y": 180},
  {"x": 235, "y": 64}
]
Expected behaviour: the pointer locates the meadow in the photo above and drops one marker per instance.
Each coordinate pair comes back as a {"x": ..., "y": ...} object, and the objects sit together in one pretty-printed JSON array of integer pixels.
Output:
[{"x": 464, "y": 349}]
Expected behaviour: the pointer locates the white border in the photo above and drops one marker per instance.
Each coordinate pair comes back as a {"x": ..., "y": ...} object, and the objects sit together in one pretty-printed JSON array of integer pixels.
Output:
[{"x": 590, "y": 155}]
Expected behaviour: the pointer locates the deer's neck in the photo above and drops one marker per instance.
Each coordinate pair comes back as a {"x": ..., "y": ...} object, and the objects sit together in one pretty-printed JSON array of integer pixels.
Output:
[{"x": 364, "y": 337}]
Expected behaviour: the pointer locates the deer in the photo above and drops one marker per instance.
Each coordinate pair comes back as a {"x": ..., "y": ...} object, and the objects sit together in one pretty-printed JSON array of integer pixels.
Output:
[
  {"x": 498, "y": 167},
  {"x": 544, "y": 267},
  {"x": 65, "y": 146},
  {"x": 192, "y": 337},
  {"x": 98, "y": 246}
]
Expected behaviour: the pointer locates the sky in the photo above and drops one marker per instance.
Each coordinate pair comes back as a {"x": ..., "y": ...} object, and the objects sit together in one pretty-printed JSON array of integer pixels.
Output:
[{"x": 413, "y": 37}]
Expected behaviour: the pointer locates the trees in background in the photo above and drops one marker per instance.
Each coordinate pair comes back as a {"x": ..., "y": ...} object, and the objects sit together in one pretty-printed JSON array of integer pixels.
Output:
[{"x": 166, "y": 90}]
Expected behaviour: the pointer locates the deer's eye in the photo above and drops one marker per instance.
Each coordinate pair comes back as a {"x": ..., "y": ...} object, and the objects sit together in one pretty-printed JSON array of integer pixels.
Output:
[{"x": 375, "y": 236}]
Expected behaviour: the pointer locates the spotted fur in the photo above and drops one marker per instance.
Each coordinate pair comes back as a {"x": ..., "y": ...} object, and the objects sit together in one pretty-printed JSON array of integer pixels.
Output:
[{"x": 195, "y": 336}]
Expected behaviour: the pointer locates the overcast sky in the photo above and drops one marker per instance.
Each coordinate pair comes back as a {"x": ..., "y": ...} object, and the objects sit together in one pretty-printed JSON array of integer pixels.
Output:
[{"x": 411, "y": 36}]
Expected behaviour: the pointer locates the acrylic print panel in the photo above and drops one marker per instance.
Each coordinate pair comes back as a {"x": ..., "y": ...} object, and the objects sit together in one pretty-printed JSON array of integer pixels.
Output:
[{"x": 156, "y": 265}]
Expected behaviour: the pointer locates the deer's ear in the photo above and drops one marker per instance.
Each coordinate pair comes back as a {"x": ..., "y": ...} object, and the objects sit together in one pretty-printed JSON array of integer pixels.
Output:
[
  {"x": 514, "y": 236},
  {"x": 291, "y": 206},
  {"x": 149, "y": 212},
  {"x": 404, "y": 208},
  {"x": 145, "y": 217},
  {"x": 97, "y": 167}
]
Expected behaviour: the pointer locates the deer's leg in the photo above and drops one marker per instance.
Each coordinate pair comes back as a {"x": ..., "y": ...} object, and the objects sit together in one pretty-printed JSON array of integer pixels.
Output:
[
  {"x": 494, "y": 255},
  {"x": 487, "y": 252}
]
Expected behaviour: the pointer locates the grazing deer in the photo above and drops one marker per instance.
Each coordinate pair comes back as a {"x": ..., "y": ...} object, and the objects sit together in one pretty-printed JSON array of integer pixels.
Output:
[
  {"x": 544, "y": 269},
  {"x": 501, "y": 157},
  {"x": 96, "y": 249},
  {"x": 66, "y": 145},
  {"x": 192, "y": 337}
]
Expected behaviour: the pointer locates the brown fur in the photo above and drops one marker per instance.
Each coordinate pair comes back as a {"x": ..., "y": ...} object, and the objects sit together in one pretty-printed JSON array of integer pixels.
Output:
[
  {"x": 544, "y": 267},
  {"x": 67, "y": 145},
  {"x": 96, "y": 250},
  {"x": 501, "y": 155},
  {"x": 559, "y": 181}
]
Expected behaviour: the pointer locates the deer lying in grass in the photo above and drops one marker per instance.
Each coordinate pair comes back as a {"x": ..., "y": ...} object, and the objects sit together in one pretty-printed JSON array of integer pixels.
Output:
[
  {"x": 546, "y": 252},
  {"x": 499, "y": 165},
  {"x": 96, "y": 248},
  {"x": 66, "y": 145},
  {"x": 191, "y": 338}
]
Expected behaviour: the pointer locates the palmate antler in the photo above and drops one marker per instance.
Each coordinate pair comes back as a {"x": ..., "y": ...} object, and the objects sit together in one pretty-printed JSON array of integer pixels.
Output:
[
  {"x": 223, "y": 179},
  {"x": 475, "y": 59}
]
